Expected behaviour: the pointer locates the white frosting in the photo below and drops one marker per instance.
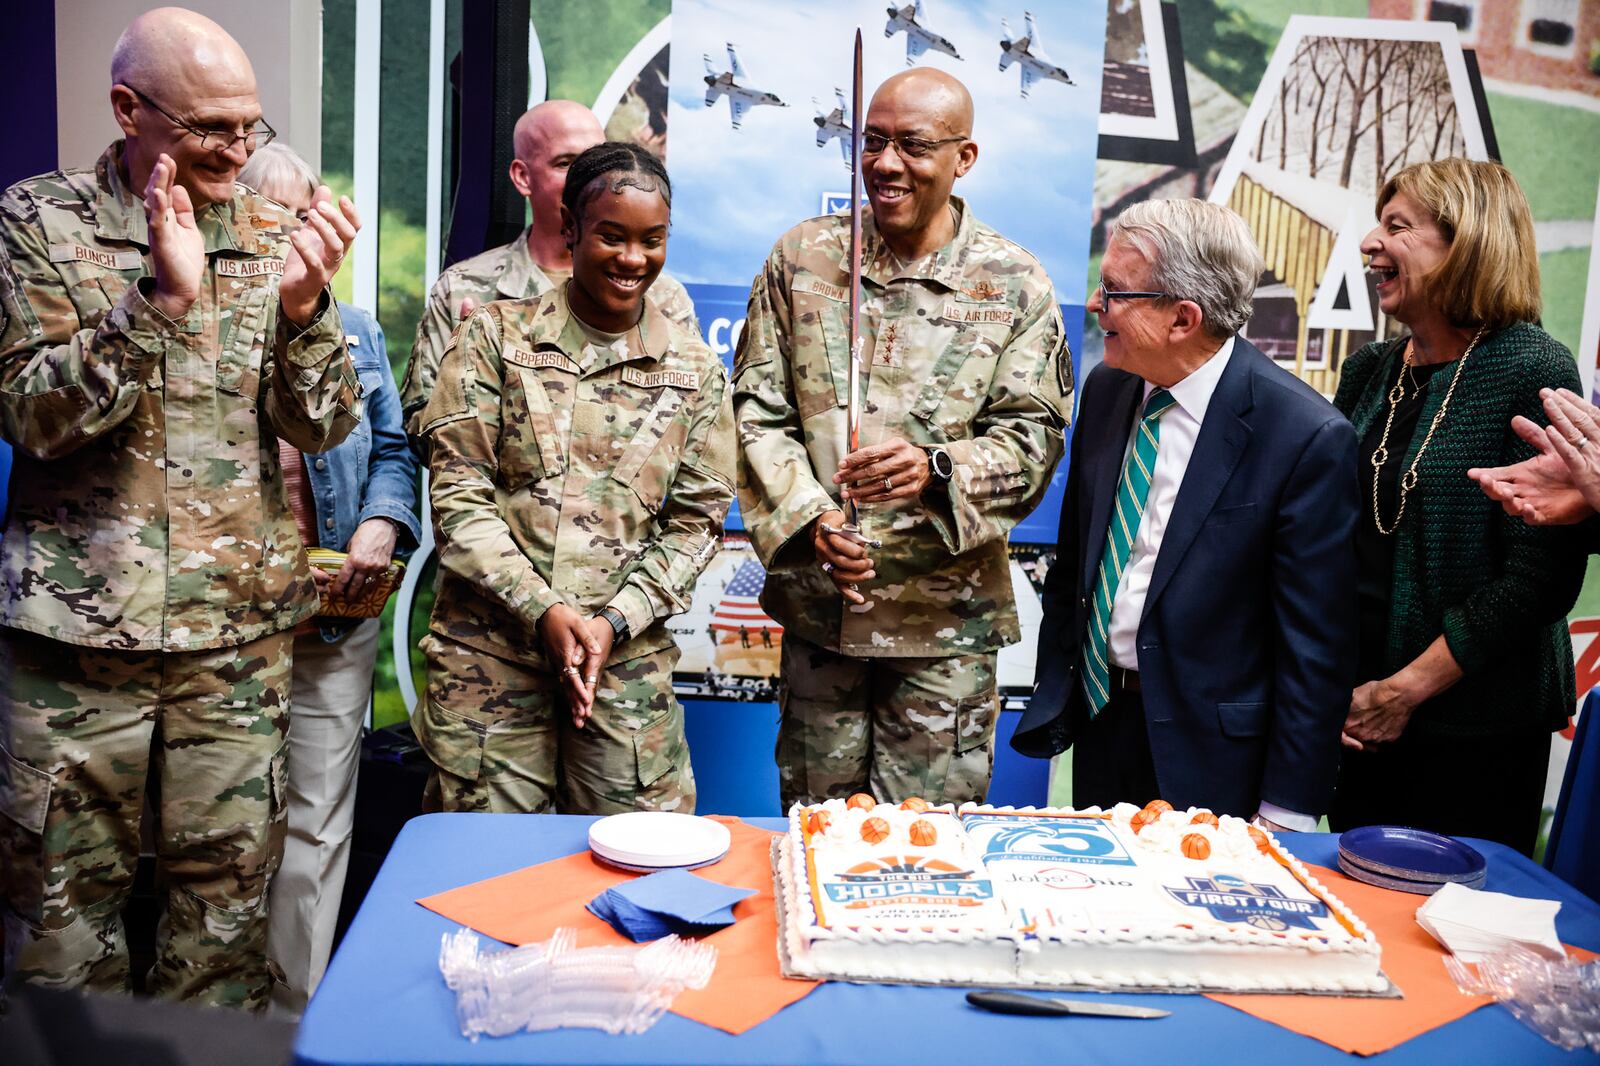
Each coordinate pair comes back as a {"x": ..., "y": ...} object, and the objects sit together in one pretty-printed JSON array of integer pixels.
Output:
[{"x": 1063, "y": 897}]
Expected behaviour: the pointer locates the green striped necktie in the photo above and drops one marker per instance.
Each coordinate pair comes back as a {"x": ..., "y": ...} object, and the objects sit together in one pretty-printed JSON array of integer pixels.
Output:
[{"x": 1131, "y": 493}]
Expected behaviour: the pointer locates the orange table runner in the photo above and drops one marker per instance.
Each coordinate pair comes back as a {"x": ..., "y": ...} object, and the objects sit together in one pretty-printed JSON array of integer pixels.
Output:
[
  {"x": 746, "y": 989},
  {"x": 1413, "y": 960}
]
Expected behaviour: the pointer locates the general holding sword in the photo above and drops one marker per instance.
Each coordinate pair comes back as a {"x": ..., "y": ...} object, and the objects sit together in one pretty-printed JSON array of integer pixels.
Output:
[{"x": 911, "y": 368}]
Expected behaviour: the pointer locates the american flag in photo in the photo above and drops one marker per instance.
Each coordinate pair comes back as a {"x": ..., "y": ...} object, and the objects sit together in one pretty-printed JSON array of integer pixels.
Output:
[{"x": 739, "y": 605}]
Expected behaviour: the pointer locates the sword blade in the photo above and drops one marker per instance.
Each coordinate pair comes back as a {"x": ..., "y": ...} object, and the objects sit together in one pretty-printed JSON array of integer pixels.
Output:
[{"x": 853, "y": 410}]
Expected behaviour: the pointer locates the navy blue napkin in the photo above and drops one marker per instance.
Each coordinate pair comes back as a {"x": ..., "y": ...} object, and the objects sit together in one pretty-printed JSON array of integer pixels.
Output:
[{"x": 668, "y": 901}]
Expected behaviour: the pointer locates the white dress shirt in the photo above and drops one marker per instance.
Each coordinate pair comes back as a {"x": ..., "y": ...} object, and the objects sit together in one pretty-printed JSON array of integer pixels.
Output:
[{"x": 1180, "y": 429}]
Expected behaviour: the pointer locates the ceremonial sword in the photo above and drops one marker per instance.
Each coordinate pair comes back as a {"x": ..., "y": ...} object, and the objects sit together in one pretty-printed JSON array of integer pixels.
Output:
[{"x": 852, "y": 529}]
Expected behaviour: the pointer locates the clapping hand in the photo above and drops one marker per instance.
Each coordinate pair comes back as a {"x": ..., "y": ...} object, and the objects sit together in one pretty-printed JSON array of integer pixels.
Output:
[
  {"x": 1560, "y": 485},
  {"x": 316, "y": 250},
  {"x": 1537, "y": 490},
  {"x": 177, "y": 247},
  {"x": 1574, "y": 433}
]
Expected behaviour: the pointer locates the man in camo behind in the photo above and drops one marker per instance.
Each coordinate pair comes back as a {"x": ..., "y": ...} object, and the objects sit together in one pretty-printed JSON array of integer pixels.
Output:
[
  {"x": 547, "y": 138},
  {"x": 159, "y": 327},
  {"x": 888, "y": 660}
]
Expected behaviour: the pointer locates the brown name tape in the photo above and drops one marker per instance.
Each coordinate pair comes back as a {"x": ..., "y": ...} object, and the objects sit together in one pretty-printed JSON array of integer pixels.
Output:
[
  {"x": 538, "y": 360},
  {"x": 822, "y": 288},
  {"x": 654, "y": 379},
  {"x": 229, "y": 267},
  {"x": 128, "y": 259},
  {"x": 978, "y": 313}
]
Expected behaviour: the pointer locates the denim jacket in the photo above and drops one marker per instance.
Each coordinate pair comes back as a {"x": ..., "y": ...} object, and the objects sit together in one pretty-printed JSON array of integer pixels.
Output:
[{"x": 372, "y": 474}]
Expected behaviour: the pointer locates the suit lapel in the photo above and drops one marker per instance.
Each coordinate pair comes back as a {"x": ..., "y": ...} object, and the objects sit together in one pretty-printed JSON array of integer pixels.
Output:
[
  {"x": 1223, "y": 438},
  {"x": 1104, "y": 470}
]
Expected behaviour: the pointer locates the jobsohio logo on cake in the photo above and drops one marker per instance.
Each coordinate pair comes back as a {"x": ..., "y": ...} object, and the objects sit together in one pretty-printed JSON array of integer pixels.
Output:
[
  {"x": 1082, "y": 841},
  {"x": 911, "y": 880}
]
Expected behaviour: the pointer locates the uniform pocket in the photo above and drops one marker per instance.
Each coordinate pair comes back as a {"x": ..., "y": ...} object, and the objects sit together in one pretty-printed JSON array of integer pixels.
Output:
[
  {"x": 651, "y": 459},
  {"x": 529, "y": 448},
  {"x": 959, "y": 382},
  {"x": 820, "y": 365},
  {"x": 278, "y": 828},
  {"x": 975, "y": 718},
  {"x": 24, "y": 807},
  {"x": 96, "y": 276},
  {"x": 658, "y": 747},
  {"x": 243, "y": 342},
  {"x": 453, "y": 743}
]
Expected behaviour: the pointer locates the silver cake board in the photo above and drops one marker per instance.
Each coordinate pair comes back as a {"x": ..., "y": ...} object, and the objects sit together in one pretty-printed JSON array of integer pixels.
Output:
[{"x": 787, "y": 968}]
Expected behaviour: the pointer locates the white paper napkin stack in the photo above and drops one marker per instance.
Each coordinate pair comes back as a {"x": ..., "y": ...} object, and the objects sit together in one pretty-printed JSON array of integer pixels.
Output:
[{"x": 1475, "y": 924}]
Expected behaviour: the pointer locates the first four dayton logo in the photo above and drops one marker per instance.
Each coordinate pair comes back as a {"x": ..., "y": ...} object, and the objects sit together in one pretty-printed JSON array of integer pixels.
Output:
[{"x": 1232, "y": 899}]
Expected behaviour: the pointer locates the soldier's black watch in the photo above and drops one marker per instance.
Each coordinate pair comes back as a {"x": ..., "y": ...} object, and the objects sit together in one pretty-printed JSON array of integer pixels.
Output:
[
  {"x": 940, "y": 465},
  {"x": 619, "y": 624}
]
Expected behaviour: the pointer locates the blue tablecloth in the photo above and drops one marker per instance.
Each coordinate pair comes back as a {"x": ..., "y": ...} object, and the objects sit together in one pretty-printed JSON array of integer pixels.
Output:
[{"x": 384, "y": 1002}]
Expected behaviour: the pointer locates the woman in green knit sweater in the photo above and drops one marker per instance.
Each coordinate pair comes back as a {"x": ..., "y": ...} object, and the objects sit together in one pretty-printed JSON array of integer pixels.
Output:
[{"x": 1466, "y": 665}]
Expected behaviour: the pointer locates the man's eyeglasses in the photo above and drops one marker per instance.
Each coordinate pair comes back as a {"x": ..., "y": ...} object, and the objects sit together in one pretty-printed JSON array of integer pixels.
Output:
[
  {"x": 1106, "y": 296},
  {"x": 908, "y": 147},
  {"x": 213, "y": 139}
]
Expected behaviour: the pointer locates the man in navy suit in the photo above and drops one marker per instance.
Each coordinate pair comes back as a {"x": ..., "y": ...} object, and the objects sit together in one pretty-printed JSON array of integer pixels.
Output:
[{"x": 1199, "y": 634}]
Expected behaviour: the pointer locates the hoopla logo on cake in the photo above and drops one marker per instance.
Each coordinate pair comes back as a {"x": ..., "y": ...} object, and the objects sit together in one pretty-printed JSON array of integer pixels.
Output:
[
  {"x": 1233, "y": 899},
  {"x": 907, "y": 879}
]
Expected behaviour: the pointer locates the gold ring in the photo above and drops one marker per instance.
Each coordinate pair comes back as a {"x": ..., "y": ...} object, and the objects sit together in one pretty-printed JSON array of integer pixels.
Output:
[
  {"x": 593, "y": 678},
  {"x": 573, "y": 670},
  {"x": 888, "y": 485}
]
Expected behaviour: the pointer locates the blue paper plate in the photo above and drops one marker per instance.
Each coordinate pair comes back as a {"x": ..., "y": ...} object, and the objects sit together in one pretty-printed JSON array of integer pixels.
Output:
[
  {"x": 1399, "y": 884},
  {"x": 1411, "y": 854}
]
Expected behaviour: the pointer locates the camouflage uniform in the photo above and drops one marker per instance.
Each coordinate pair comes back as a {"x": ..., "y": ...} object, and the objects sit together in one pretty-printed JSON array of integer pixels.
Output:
[
  {"x": 504, "y": 273},
  {"x": 964, "y": 349},
  {"x": 150, "y": 573},
  {"x": 564, "y": 472}
]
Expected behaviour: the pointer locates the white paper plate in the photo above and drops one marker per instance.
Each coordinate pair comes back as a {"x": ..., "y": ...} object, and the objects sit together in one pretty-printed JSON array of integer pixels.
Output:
[
  {"x": 658, "y": 839},
  {"x": 631, "y": 868}
]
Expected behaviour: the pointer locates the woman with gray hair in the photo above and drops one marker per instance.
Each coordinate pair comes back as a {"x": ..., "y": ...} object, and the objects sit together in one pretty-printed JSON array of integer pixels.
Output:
[{"x": 359, "y": 498}]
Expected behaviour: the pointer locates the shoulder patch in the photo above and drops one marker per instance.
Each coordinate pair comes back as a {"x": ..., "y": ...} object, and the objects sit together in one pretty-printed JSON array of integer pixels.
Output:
[{"x": 1064, "y": 381}]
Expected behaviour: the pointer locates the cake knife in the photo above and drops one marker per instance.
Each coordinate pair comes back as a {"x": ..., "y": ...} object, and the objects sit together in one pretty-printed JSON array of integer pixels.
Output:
[{"x": 1016, "y": 1003}]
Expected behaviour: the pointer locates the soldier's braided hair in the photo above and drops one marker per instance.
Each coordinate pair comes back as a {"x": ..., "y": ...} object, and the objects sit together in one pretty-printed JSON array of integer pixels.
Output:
[{"x": 624, "y": 163}]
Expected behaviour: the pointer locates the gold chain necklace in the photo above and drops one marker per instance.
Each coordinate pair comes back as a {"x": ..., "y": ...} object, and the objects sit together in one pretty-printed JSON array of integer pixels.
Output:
[{"x": 1408, "y": 480}]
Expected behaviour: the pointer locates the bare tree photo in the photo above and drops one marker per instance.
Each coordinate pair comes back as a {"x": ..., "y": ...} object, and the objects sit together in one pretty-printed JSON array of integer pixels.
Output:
[{"x": 1355, "y": 111}]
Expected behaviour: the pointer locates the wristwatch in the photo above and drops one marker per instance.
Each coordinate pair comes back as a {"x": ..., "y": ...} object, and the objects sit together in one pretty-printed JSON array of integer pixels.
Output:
[
  {"x": 940, "y": 465},
  {"x": 619, "y": 624}
]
